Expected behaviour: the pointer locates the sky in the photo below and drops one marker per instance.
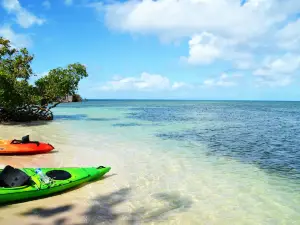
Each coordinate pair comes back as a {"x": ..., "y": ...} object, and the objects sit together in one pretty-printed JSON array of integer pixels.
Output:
[{"x": 164, "y": 49}]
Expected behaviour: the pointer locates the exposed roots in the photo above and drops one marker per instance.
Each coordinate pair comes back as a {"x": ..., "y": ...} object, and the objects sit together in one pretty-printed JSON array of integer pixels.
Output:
[{"x": 25, "y": 114}]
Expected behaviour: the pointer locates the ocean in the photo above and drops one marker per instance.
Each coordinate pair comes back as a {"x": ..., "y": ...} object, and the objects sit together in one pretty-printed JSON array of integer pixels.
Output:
[{"x": 173, "y": 162}]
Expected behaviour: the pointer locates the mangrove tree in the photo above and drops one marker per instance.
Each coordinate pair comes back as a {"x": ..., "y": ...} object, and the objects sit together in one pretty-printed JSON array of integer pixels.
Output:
[{"x": 22, "y": 100}]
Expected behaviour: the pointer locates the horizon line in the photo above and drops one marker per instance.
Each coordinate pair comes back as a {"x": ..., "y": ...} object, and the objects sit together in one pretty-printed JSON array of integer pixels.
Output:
[{"x": 162, "y": 99}]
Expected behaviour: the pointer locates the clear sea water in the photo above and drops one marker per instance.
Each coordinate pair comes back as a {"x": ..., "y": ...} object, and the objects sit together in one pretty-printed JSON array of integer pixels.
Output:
[{"x": 184, "y": 162}]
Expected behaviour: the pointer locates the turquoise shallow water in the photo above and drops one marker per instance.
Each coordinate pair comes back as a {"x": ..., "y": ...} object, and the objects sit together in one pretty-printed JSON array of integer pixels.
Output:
[
  {"x": 261, "y": 133},
  {"x": 185, "y": 162}
]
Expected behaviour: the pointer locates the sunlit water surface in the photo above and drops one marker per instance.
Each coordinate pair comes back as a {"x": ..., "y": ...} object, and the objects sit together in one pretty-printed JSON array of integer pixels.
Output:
[{"x": 173, "y": 162}]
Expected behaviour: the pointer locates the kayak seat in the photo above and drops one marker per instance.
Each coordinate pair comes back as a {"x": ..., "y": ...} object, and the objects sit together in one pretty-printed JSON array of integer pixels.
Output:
[
  {"x": 12, "y": 177},
  {"x": 25, "y": 140},
  {"x": 58, "y": 174}
]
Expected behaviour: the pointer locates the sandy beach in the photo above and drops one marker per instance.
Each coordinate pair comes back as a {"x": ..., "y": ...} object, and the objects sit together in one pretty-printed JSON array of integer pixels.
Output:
[
  {"x": 68, "y": 208},
  {"x": 109, "y": 200}
]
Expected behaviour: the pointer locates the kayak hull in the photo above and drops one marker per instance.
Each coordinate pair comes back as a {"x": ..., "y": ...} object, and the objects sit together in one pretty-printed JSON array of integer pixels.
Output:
[
  {"x": 38, "y": 189},
  {"x": 7, "y": 148}
]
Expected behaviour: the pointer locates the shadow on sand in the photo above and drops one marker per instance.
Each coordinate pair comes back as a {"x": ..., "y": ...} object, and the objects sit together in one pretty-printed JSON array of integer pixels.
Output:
[
  {"x": 27, "y": 124},
  {"x": 30, "y": 154},
  {"x": 102, "y": 209},
  {"x": 73, "y": 117}
]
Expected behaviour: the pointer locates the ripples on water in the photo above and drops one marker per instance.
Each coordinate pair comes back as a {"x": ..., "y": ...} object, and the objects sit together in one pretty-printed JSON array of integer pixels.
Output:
[
  {"x": 81, "y": 117},
  {"x": 262, "y": 133}
]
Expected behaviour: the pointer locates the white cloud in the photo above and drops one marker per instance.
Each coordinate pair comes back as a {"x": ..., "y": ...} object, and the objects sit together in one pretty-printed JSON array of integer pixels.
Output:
[
  {"x": 156, "y": 82},
  {"x": 244, "y": 64},
  {"x": 286, "y": 64},
  {"x": 217, "y": 29},
  {"x": 205, "y": 48},
  {"x": 224, "y": 80},
  {"x": 278, "y": 71},
  {"x": 203, "y": 51},
  {"x": 184, "y": 18},
  {"x": 273, "y": 81},
  {"x": 68, "y": 2},
  {"x": 146, "y": 82},
  {"x": 289, "y": 36},
  {"x": 24, "y": 18},
  {"x": 17, "y": 40},
  {"x": 46, "y": 4},
  {"x": 179, "y": 85}
]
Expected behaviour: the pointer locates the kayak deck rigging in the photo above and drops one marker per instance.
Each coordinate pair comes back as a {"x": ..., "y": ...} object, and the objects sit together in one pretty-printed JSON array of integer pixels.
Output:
[{"x": 24, "y": 184}]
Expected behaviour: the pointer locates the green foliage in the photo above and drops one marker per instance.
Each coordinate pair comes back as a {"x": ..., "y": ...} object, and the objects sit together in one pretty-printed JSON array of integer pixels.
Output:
[
  {"x": 61, "y": 82},
  {"x": 15, "y": 72}
]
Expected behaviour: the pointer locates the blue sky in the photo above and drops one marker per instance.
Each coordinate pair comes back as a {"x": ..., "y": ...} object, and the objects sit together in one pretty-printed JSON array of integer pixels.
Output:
[{"x": 188, "y": 49}]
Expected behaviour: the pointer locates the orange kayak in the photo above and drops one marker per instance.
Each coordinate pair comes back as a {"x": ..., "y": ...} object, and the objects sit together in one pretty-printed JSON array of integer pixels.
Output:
[{"x": 24, "y": 146}]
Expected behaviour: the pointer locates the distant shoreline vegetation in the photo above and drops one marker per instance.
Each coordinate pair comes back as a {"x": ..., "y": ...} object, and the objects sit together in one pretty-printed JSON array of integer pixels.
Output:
[
  {"x": 73, "y": 98},
  {"x": 186, "y": 100}
]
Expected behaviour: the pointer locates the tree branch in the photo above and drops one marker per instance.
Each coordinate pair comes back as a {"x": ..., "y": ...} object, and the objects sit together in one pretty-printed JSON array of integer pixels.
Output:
[{"x": 54, "y": 105}]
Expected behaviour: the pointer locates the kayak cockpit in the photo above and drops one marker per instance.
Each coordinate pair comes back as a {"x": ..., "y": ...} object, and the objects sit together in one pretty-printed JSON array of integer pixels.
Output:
[
  {"x": 25, "y": 140},
  {"x": 59, "y": 174},
  {"x": 11, "y": 177}
]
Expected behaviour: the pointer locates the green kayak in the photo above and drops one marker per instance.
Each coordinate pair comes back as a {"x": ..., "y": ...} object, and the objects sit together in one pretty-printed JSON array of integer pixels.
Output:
[{"x": 27, "y": 184}]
